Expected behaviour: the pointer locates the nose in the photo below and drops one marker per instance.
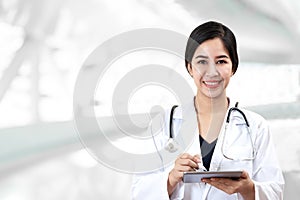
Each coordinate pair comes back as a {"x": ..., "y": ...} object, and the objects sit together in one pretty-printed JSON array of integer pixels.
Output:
[{"x": 212, "y": 70}]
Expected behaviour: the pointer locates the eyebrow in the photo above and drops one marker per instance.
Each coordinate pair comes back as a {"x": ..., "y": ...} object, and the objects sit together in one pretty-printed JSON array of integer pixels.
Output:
[
  {"x": 222, "y": 56},
  {"x": 201, "y": 56},
  {"x": 206, "y": 57}
]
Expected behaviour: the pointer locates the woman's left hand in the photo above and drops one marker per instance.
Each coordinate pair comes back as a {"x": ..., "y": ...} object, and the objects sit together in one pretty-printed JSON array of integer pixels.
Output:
[{"x": 244, "y": 185}]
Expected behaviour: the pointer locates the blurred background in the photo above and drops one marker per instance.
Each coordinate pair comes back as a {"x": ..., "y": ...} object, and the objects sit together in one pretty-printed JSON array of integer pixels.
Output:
[{"x": 43, "y": 45}]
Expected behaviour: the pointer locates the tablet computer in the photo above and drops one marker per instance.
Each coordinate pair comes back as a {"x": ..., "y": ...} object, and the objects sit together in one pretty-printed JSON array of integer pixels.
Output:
[{"x": 196, "y": 176}]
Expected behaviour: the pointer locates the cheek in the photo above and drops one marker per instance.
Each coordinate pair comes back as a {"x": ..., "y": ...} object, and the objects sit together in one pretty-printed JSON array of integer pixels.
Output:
[
  {"x": 226, "y": 72},
  {"x": 196, "y": 77},
  {"x": 197, "y": 73}
]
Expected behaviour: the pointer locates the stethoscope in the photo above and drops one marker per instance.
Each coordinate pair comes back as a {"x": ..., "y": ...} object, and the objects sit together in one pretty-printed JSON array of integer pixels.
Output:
[{"x": 172, "y": 145}]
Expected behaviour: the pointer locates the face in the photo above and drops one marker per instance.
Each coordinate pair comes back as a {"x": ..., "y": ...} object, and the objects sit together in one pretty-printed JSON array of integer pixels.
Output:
[{"x": 211, "y": 68}]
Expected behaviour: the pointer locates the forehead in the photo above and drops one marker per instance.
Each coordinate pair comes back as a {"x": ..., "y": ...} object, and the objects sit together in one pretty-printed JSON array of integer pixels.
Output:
[{"x": 212, "y": 47}]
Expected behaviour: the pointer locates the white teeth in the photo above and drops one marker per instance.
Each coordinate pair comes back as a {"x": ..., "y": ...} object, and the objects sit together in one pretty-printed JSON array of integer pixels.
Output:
[{"x": 211, "y": 83}]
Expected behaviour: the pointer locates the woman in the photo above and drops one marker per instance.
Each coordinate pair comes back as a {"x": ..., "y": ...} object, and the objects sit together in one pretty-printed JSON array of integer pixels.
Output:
[{"x": 211, "y": 60}]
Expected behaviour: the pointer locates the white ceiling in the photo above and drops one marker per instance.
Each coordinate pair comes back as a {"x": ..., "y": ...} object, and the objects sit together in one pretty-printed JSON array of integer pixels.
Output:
[{"x": 267, "y": 31}]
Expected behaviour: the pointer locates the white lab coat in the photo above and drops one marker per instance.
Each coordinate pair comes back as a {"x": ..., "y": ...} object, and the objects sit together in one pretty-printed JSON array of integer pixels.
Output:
[{"x": 264, "y": 169}]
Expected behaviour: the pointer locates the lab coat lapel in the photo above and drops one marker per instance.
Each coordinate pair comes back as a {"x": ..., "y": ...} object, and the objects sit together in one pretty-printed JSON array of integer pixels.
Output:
[
  {"x": 217, "y": 157},
  {"x": 189, "y": 140}
]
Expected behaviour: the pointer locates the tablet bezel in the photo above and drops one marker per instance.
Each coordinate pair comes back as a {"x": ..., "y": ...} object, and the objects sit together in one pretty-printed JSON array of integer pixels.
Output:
[{"x": 196, "y": 176}]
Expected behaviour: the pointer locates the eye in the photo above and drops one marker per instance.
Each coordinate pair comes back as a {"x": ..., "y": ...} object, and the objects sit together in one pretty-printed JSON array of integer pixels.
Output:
[
  {"x": 221, "y": 62},
  {"x": 203, "y": 62}
]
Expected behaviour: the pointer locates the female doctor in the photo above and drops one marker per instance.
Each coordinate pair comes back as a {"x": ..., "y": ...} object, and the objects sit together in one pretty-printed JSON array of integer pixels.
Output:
[{"x": 211, "y": 59}]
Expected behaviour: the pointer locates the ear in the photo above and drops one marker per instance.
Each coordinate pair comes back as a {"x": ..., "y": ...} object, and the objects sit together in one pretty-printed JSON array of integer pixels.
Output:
[{"x": 189, "y": 67}]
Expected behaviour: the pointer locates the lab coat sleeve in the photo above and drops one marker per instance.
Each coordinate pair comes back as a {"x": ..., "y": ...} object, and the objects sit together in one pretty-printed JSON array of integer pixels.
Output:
[
  {"x": 178, "y": 193},
  {"x": 150, "y": 186},
  {"x": 267, "y": 175},
  {"x": 154, "y": 186}
]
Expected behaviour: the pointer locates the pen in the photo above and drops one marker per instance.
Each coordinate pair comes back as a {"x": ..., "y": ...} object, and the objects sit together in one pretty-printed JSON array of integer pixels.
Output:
[{"x": 201, "y": 168}]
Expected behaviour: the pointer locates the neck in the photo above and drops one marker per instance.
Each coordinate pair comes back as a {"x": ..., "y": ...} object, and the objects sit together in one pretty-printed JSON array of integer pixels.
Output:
[{"x": 206, "y": 105}]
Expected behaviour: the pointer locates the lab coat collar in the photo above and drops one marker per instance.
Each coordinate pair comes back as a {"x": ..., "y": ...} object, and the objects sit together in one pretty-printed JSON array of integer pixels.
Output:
[{"x": 190, "y": 108}]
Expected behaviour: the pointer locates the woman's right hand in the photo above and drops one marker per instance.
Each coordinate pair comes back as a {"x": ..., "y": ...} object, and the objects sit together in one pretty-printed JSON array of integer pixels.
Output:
[{"x": 185, "y": 162}]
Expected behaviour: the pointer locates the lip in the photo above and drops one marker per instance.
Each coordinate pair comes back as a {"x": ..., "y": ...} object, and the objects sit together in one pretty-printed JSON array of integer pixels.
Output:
[{"x": 212, "y": 84}]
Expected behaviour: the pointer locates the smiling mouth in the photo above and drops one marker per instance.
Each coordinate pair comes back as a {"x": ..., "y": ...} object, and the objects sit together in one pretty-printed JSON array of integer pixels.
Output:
[{"x": 212, "y": 84}]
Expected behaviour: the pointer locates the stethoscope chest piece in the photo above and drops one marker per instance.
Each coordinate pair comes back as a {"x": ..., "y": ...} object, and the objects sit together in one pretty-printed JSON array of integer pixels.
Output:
[{"x": 171, "y": 145}]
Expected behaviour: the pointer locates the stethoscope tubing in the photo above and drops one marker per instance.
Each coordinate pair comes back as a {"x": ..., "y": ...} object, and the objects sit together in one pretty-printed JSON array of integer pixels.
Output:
[{"x": 171, "y": 122}]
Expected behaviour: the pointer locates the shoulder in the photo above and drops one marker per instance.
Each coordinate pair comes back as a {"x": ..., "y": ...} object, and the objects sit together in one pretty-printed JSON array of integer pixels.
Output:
[
  {"x": 253, "y": 115},
  {"x": 181, "y": 111},
  {"x": 256, "y": 121}
]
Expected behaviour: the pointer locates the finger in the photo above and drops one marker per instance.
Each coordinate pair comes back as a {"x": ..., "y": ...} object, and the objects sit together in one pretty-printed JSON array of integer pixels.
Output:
[
  {"x": 185, "y": 164},
  {"x": 183, "y": 168},
  {"x": 244, "y": 175},
  {"x": 226, "y": 181},
  {"x": 188, "y": 162},
  {"x": 221, "y": 184},
  {"x": 186, "y": 156},
  {"x": 187, "y": 159},
  {"x": 220, "y": 181},
  {"x": 197, "y": 158},
  {"x": 225, "y": 188}
]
